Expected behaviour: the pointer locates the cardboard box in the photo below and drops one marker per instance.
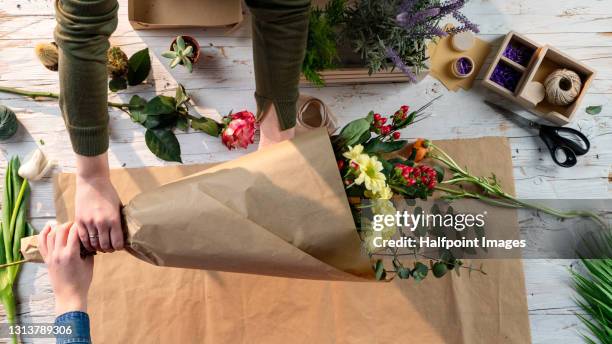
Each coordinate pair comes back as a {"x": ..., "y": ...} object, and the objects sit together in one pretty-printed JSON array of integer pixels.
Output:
[
  {"x": 164, "y": 14},
  {"x": 543, "y": 61}
]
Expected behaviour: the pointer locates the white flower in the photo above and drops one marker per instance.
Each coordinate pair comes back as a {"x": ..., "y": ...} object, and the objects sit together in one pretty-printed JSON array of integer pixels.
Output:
[{"x": 36, "y": 166}]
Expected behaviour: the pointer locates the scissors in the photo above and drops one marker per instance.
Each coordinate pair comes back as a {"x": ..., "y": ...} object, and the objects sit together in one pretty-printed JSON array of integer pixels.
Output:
[{"x": 564, "y": 144}]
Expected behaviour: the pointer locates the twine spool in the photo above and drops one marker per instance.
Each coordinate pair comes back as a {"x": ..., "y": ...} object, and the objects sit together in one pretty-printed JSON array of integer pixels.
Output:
[{"x": 562, "y": 87}]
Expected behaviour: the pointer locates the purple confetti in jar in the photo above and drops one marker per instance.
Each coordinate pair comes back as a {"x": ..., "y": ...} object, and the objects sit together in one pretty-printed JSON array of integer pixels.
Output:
[
  {"x": 518, "y": 53},
  {"x": 506, "y": 76},
  {"x": 464, "y": 66}
]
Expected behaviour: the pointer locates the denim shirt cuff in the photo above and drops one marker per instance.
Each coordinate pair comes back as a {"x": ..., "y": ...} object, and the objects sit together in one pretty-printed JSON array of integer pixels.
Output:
[{"x": 79, "y": 328}]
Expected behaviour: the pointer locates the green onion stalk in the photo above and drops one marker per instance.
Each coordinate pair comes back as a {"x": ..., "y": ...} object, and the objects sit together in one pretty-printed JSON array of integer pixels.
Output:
[
  {"x": 491, "y": 192},
  {"x": 13, "y": 227}
]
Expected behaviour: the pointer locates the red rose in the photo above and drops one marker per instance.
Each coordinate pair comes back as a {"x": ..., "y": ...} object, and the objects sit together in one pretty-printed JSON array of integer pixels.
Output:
[{"x": 239, "y": 130}]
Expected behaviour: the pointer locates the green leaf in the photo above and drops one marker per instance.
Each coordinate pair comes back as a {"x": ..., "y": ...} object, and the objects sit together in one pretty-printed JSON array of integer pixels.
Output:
[
  {"x": 353, "y": 131},
  {"x": 161, "y": 121},
  {"x": 163, "y": 144},
  {"x": 377, "y": 146},
  {"x": 379, "y": 269},
  {"x": 206, "y": 125},
  {"x": 175, "y": 62},
  {"x": 188, "y": 65},
  {"x": 403, "y": 273},
  {"x": 180, "y": 42},
  {"x": 439, "y": 269},
  {"x": 420, "y": 271},
  {"x": 117, "y": 84},
  {"x": 137, "y": 109},
  {"x": 160, "y": 105},
  {"x": 139, "y": 66},
  {"x": 181, "y": 96},
  {"x": 182, "y": 123},
  {"x": 169, "y": 54},
  {"x": 439, "y": 173},
  {"x": 594, "y": 110}
]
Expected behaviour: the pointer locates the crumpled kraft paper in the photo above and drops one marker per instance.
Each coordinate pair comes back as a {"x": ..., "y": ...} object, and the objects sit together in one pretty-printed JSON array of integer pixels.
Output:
[
  {"x": 281, "y": 211},
  {"x": 132, "y": 301}
]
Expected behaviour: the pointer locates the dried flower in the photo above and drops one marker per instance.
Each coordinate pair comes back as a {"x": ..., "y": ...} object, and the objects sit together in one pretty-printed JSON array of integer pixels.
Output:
[
  {"x": 239, "y": 130},
  {"x": 48, "y": 55},
  {"x": 117, "y": 63}
]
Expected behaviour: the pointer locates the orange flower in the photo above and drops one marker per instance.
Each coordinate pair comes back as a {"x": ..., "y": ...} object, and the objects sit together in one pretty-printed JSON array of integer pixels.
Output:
[{"x": 421, "y": 149}]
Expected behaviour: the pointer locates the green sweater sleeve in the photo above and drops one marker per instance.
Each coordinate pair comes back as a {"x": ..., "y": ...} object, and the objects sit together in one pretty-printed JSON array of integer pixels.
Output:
[
  {"x": 82, "y": 32},
  {"x": 280, "y": 31}
]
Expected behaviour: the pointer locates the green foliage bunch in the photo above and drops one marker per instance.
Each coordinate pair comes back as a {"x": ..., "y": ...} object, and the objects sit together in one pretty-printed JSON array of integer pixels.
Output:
[{"x": 321, "y": 48}]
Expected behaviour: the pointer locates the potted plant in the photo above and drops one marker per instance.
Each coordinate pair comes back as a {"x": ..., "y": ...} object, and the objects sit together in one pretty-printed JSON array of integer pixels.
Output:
[
  {"x": 376, "y": 40},
  {"x": 184, "y": 50}
]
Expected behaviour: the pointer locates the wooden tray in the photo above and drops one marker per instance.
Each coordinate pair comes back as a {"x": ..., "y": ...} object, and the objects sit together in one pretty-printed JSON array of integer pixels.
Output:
[
  {"x": 165, "y": 14},
  {"x": 545, "y": 59}
]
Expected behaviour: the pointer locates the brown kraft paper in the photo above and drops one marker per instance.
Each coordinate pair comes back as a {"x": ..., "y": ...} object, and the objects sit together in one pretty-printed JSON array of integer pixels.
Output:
[{"x": 131, "y": 301}]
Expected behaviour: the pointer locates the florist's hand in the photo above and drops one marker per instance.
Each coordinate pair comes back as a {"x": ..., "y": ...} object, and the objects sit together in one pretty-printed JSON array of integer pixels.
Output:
[
  {"x": 269, "y": 129},
  {"x": 69, "y": 273},
  {"x": 97, "y": 206}
]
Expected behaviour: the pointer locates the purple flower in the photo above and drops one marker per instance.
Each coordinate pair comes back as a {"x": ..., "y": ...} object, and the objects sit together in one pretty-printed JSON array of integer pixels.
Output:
[
  {"x": 407, "y": 20},
  {"x": 397, "y": 61}
]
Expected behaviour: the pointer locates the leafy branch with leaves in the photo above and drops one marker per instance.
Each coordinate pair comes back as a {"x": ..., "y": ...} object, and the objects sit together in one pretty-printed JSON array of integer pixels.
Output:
[{"x": 160, "y": 115}]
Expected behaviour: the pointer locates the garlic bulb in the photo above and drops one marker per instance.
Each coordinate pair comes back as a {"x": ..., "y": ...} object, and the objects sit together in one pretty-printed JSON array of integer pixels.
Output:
[{"x": 36, "y": 166}]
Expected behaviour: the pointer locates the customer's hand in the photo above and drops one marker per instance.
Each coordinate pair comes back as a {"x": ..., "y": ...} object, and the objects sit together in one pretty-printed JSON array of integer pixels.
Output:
[
  {"x": 97, "y": 206},
  {"x": 269, "y": 129},
  {"x": 69, "y": 273}
]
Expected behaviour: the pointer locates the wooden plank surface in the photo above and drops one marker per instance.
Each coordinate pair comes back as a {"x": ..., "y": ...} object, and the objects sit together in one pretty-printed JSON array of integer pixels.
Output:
[{"x": 224, "y": 81}]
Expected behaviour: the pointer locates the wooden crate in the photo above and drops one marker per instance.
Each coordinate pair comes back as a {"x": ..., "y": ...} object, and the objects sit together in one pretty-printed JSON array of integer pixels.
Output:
[
  {"x": 545, "y": 59},
  {"x": 355, "y": 75}
]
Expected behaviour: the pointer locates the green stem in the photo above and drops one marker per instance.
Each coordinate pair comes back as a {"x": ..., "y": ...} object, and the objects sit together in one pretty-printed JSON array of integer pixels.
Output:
[
  {"x": 8, "y": 300},
  {"x": 13, "y": 263},
  {"x": 35, "y": 94},
  {"x": 16, "y": 207}
]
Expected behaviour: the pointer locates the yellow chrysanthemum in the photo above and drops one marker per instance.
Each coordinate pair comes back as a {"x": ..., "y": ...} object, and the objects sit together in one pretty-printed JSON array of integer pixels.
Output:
[
  {"x": 384, "y": 193},
  {"x": 354, "y": 153},
  {"x": 370, "y": 174}
]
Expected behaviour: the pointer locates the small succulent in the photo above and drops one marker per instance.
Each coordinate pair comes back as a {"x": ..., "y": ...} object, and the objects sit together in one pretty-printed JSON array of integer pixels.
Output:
[
  {"x": 180, "y": 54},
  {"x": 117, "y": 63},
  {"x": 47, "y": 53}
]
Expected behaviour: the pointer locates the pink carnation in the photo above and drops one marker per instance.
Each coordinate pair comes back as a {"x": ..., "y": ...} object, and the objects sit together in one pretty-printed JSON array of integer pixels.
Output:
[{"x": 239, "y": 131}]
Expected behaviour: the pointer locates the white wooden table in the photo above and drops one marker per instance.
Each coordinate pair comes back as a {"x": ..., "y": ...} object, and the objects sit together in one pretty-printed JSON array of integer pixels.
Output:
[{"x": 224, "y": 81}]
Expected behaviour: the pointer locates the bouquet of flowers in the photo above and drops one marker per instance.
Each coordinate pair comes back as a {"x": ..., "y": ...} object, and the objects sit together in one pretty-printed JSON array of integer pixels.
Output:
[{"x": 373, "y": 177}]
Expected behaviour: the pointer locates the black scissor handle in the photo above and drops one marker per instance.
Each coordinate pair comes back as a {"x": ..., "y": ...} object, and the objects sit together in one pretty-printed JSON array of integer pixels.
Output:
[
  {"x": 580, "y": 145},
  {"x": 556, "y": 146}
]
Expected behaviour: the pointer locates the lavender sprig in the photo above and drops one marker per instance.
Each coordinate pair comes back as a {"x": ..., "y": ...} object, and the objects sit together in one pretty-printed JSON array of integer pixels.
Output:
[{"x": 397, "y": 61}]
